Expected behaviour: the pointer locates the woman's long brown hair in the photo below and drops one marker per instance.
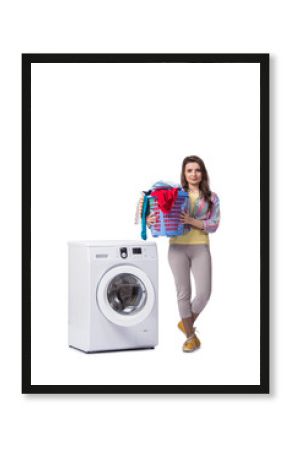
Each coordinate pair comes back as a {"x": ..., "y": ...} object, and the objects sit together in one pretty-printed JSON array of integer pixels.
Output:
[{"x": 204, "y": 184}]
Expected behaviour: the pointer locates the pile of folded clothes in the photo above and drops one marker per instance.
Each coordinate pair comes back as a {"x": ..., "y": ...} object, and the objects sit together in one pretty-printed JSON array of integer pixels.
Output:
[{"x": 166, "y": 201}]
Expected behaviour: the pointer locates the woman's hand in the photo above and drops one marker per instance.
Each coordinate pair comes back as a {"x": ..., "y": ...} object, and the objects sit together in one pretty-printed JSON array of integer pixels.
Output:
[
  {"x": 151, "y": 219},
  {"x": 186, "y": 219}
]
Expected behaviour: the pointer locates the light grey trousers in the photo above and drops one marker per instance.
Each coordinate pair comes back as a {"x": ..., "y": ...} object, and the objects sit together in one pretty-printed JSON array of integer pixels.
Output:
[{"x": 183, "y": 259}]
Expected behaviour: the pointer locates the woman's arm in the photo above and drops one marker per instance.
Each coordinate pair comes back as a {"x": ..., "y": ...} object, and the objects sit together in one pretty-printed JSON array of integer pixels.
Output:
[
  {"x": 211, "y": 224},
  {"x": 150, "y": 220},
  {"x": 186, "y": 219},
  {"x": 197, "y": 223}
]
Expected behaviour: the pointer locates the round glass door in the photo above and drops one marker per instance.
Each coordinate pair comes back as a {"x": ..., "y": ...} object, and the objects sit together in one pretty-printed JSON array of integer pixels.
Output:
[{"x": 125, "y": 295}]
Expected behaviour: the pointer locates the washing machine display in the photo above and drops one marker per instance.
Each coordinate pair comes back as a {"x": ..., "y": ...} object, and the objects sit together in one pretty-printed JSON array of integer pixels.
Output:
[{"x": 126, "y": 294}]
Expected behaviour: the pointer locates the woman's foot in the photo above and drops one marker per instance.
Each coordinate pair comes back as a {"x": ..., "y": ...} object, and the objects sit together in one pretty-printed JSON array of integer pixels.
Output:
[
  {"x": 181, "y": 327},
  {"x": 186, "y": 324},
  {"x": 191, "y": 344}
]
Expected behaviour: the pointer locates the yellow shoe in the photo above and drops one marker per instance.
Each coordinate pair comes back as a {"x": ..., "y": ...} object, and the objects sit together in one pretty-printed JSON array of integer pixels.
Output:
[
  {"x": 191, "y": 344},
  {"x": 181, "y": 327}
]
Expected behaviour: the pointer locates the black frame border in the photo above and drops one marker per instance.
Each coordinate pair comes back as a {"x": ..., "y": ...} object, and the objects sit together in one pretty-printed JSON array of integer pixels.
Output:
[{"x": 260, "y": 58}]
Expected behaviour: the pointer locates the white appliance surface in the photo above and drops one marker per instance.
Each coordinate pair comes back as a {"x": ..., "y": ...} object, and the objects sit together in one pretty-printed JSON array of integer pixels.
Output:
[{"x": 113, "y": 295}]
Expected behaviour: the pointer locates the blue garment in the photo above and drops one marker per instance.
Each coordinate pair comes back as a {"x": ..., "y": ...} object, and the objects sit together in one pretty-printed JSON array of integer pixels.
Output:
[{"x": 144, "y": 215}]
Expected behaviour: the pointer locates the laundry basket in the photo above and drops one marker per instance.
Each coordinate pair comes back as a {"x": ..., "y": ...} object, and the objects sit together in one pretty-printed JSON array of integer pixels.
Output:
[{"x": 169, "y": 224}]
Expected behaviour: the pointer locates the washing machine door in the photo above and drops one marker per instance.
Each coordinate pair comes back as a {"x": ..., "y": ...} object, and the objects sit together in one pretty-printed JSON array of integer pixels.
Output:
[{"x": 125, "y": 295}]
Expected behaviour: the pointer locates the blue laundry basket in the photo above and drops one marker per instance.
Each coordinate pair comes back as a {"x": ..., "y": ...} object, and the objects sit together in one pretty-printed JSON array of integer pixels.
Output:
[{"x": 169, "y": 224}]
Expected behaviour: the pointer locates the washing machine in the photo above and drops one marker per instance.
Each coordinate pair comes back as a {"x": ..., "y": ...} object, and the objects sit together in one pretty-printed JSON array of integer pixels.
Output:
[{"x": 113, "y": 295}]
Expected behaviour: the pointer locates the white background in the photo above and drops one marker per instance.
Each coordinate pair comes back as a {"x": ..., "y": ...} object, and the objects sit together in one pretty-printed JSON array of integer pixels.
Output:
[
  {"x": 82, "y": 420},
  {"x": 100, "y": 134}
]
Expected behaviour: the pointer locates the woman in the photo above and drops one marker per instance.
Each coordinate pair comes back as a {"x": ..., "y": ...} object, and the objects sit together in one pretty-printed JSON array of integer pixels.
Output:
[{"x": 191, "y": 252}]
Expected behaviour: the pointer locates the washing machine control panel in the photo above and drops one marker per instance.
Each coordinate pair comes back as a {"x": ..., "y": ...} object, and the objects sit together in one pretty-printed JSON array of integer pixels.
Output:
[
  {"x": 133, "y": 252},
  {"x": 126, "y": 252}
]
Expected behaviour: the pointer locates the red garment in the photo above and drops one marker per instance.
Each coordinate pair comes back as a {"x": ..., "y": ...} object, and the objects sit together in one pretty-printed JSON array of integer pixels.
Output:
[{"x": 165, "y": 198}]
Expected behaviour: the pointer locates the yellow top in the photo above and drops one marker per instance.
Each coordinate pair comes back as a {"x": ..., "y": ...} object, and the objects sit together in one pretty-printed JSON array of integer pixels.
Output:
[{"x": 194, "y": 236}]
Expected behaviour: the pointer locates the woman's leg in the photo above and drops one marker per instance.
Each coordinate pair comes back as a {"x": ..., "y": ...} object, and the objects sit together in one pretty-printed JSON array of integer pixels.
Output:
[
  {"x": 180, "y": 266},
  {"x": 201, "y": 269}
]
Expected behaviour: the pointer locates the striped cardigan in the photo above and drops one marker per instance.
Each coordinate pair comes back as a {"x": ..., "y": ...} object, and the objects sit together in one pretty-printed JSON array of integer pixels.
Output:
[{"x": 211, "y": 219}]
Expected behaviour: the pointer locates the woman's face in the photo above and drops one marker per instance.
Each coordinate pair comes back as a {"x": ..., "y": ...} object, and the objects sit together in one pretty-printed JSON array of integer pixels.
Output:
[{"x": 193, "y": 174}]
